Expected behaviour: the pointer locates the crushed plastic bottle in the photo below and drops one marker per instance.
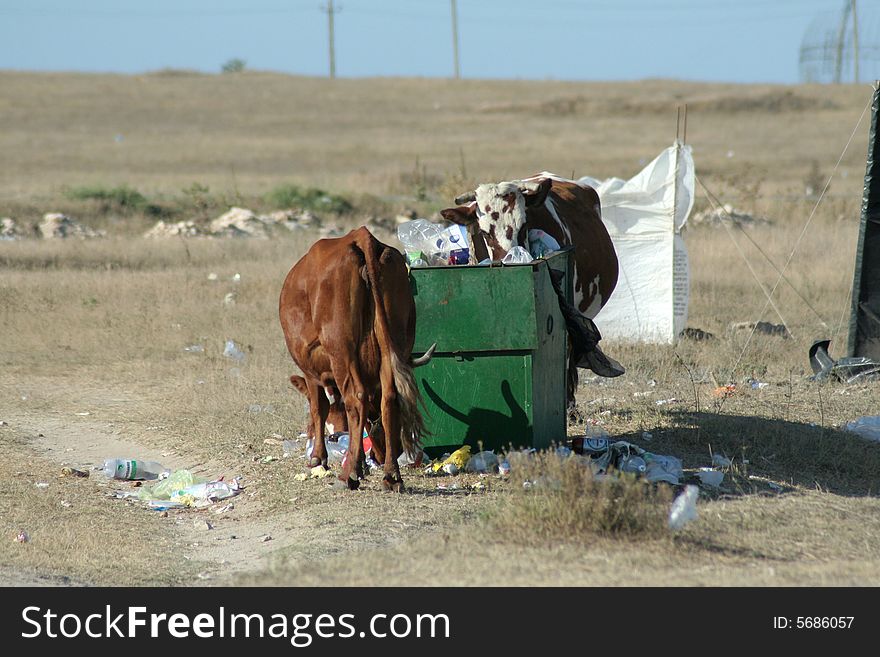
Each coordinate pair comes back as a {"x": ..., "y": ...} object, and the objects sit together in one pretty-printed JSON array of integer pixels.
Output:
[
  {"x": 337, "y": 449},
  {"x": 120, "y": 468},
  {"x": 208, "y": 491},
  {"x": 232, "y": 351},
  {"x": 595, "y": 441},
  {"x": 684, "y": 508}
]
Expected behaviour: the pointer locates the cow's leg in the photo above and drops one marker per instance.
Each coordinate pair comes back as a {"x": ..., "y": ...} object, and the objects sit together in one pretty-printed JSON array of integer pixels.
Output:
[
  {"x": 319, "y": 407},
  {"x": 355, "y": 398},
  {"x": 377, "y": 436},
  {"x": 392, "y": 480},
  {"x": 571, "y": 382}
]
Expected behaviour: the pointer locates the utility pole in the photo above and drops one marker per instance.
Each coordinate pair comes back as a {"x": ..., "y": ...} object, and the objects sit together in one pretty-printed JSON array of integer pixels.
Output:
[
  {"x": 855, "y": 42},
  {"x": 841, "y": 38},
  {"x": 455, "y": 39},
  {"x": 330, "y": 15}
]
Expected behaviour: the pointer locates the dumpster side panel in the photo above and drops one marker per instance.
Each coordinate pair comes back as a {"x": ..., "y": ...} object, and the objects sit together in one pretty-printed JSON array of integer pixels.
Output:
[
  {"x": 549, "y": 365},
  {"x": 477, "y": 397},
  {"x": 473, "y": 308}
]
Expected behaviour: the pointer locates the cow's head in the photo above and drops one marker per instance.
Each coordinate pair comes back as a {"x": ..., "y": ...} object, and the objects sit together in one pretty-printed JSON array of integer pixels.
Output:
[{"x": 498, "y": 212}]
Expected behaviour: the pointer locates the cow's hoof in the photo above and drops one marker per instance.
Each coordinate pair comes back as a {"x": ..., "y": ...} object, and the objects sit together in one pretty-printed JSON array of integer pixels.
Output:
[
  {"x": 391, "y": 486},
  {"x": 353, "y": 483},
  {"x": 314, "y": 462}
]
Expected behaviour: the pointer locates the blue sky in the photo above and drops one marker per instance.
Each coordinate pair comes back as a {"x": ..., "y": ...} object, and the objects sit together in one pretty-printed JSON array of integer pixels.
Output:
[{"x": 707, "y": 40}]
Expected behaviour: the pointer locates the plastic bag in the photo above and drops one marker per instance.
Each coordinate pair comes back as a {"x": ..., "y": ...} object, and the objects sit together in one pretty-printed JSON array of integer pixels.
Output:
[
  {"x": 710, "y": 477},
  {"x": 482, "y": 462},
  {"x": 684, "y": 508},
  {"x": 404, "y": 460},
  {"x": 866, "y": 427},
  {"x": 540, "y": 243},
  {"x": 517, "y": 256},
  {"x": 662, "y": 468},
  {"x": 165, "y": 488},
  {"x": 459, "y": 458}
]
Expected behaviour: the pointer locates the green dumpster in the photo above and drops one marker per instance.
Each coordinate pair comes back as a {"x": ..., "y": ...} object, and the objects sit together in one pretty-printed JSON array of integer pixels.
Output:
[{"x": 497, "y": 377}]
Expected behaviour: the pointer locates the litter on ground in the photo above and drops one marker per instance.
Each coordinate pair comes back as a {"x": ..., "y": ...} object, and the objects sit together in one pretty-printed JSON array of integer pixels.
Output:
[
  {"x": 867, "y": 427},
  {"x": 710, "y": 477}
]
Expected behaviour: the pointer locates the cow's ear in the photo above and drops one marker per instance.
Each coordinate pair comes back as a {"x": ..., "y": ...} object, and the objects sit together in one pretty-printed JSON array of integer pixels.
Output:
[
  {"x": 538, "y": 195},
  {"x": 464, "y": 215},
  {"x": 300, "y": 384}
]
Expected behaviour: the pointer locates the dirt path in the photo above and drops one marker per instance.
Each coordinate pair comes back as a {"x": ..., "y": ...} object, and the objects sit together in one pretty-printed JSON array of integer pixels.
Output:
[
  {"x": 240, "y": 538},
  {"x": 316, "y": 524}
]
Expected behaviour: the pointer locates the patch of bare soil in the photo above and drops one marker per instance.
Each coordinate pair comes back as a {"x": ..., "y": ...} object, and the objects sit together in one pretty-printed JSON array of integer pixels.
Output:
[{"x": 312, "y": 521}]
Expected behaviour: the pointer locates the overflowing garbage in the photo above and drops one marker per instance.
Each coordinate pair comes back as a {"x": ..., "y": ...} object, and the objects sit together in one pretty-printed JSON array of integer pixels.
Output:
[{"x": 429, "y": 244}]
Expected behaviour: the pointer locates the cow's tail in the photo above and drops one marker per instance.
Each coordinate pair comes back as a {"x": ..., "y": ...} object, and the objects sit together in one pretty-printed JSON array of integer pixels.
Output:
[{"x": 412, "y": 426}]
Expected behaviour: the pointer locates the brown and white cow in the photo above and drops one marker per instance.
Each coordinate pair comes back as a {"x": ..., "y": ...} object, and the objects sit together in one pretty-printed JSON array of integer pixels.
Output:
[
  {"x": 499, "y": 216},
  {"x": 348, "y": 317}
]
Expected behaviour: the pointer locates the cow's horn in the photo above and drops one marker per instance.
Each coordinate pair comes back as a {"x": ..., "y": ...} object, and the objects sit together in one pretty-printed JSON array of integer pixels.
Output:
[
  {"x": 424, "y": 358},
  {"x": 528, "y": 186},
  {"x": 470, "y": 197}
]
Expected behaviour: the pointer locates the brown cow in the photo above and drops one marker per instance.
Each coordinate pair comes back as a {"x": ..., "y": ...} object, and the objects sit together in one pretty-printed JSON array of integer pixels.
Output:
[
  {"x": 336, "y": 413},
  {"x": 499, "y": 217},
  {"x": 348, "y": 318}
]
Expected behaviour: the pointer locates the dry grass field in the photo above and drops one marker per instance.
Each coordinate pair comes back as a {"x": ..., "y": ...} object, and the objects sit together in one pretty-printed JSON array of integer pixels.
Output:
[{"x": 92, "y": 334}]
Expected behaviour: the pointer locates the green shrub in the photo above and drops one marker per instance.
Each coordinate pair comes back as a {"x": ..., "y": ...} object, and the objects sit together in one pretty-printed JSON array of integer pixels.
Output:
[
  {"x": 124, "y": 197},
  {"x": 234, "y": 65},
  {"x": 559, "y": 499},
  {"x": 308, "y": 198}
]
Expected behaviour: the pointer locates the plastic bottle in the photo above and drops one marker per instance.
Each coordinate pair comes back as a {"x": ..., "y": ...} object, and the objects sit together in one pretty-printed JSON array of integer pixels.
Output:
[
  {"x": 336, "y": 450},
  {"x": 133, "y": 469}
]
